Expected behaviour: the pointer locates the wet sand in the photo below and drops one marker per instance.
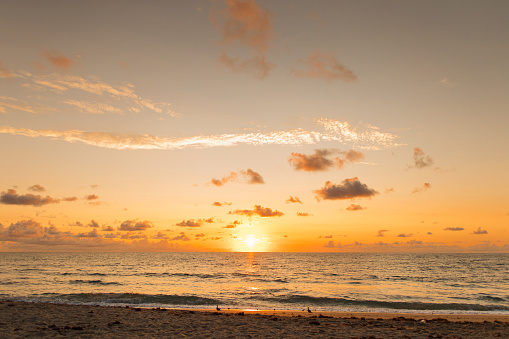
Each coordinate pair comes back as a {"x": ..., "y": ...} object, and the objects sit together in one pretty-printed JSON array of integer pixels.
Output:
[{"x": 37, "y": 320}]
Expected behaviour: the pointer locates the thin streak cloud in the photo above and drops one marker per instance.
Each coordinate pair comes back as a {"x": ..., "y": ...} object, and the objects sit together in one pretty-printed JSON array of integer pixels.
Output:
[{"x": 334, "y": 131}]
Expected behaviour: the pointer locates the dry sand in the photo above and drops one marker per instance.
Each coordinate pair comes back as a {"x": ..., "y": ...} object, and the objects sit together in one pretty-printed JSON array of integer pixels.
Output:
[{"x": 37, "y": 320}]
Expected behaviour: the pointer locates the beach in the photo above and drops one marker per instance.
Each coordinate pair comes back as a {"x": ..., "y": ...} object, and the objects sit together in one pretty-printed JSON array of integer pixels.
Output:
[{"x": 36, "y": 320}]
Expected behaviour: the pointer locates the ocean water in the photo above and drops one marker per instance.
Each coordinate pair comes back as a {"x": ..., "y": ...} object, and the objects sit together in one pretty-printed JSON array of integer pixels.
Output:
[{"x": 440, "y": 283}]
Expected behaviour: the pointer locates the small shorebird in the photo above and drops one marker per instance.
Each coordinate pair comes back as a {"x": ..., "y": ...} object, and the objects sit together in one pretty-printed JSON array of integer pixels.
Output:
[
  {"x": 217, "y": 308},
  {"x": 309, "y": 311}
]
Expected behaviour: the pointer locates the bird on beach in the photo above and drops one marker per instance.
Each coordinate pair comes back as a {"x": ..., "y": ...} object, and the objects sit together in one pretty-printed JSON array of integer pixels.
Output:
[
  {"x": 217, "y": 308},
  {"x": 309, "y": 311}
]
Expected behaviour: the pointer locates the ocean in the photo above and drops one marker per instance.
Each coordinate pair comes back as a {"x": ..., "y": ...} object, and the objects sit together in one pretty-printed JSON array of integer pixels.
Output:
[{"x": 368, "y": 282}]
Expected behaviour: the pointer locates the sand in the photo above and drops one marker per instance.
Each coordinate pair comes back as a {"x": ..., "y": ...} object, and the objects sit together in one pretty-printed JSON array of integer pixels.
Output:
[{"x": 38, "y": 320}]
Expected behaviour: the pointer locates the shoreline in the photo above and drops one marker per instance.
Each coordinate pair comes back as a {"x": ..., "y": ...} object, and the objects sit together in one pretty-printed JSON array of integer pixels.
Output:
[{"x": 31, "y": 319}]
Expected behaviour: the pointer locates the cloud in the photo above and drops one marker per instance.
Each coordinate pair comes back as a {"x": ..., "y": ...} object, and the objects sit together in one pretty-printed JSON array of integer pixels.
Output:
[
  {"x": 480, "y": 231},
  {"x": 348, "y": 189},
  {"x": 92, "y": 234},
  {"x": 258, "y": 66},
  {"x": 193, "y": 223},
  {"x": 303, "y": 214},
  {"x": 253, "y": 177},
  {"x": 325, "y": 66},
  {"x": 93, "y": 108},
  {"x": 424, "y": 188},
  {"x": 91, "y": 197},
  {"x": 20, "y": 105},
  {"x": 311, "y": 163},
  {"x": 121, "y": 98},
  {"x": 381, "y": 233},
  {"x": 217, "y": 203},
  {"x": 447, "y": 82},
  {"x": 249, "y": 176},
  {"x": 37, "y": 188},
  {"x": 93, "y": 223},
  {"x": 421, "y": 160},
  {"x": 58, "y": 60},
  {"x": 243, "y": 22},
  {"x": 181, "y": 237},
  {"x": 355, "y": 207},
  {"x": 134, "y": 225},
  {"x": 199, "y": 235},
  {"x": 4, "y": 72},
  {"x": 69, "y": 199},
  {"x": 108, "y": 229},
  {"x": 338, "y": 131},
  {"x": 405, "y": 235},
  {"x": 453, "y": 229},
  {"x": 77, "y": 223},
  {"x": 325, "y": 237},
  {"x": 293, "y": 200},
  {"x": 234, "y": 224},
  {"x": 12, "y": 198},
  {"x": 258, "y": 210},
  {"x": 320, "y": 159},
  {"x": 23, "y": 229}
]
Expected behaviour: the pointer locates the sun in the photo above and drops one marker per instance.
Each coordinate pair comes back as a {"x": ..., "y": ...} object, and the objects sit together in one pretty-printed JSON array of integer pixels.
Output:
[{"x": 251, "y": 241}]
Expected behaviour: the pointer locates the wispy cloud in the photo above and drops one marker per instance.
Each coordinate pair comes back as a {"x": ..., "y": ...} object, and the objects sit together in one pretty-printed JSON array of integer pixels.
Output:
[
  {"x": 454, "y": 229},
  {"x": 122, "y": 98},
  {"x": 243, "y": 22},
  {"x": 348, "y": 189},
  {"x": 324, "y": 66},
  {"x": 334, "y": 130},
  {"x": 37, "y": 188},
  {"x": 424, "y": 188},
  {"x": 4, "y": 72}
]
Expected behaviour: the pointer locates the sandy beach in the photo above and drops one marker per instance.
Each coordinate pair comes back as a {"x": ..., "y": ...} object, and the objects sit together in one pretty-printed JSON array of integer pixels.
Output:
[{"x": 36, "y": 320}]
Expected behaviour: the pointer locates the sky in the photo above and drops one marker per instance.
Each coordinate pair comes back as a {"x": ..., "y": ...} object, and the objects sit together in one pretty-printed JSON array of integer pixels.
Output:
[{"x": 242, "y": 125}]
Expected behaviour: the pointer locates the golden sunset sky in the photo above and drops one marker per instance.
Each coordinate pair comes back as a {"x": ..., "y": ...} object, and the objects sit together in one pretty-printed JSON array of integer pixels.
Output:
[{"x": 238, "y": 125}]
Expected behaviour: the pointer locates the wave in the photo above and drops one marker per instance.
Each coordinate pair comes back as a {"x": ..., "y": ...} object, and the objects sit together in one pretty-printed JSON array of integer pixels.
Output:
[
  {"x": 94, "y": 282},
  {"x": 377, "y": 304},
  {"x": 138, "y": 299}
]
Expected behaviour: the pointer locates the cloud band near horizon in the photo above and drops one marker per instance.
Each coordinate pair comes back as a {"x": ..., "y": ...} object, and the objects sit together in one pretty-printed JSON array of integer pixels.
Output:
[{"x": 370, "y": 138}]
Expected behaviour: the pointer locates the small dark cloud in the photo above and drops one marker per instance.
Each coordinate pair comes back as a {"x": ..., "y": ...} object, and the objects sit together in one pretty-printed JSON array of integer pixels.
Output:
[
  {"x": 258, "y": 210},
  {"x": 303, "y": 214},
  {"x": 248, "y": 176},
  {"x": 421, "y": 160},
  {"x": 91, "y": 197},
  {"x": 293, "y": 200},
  {"x": 77, "y": 223},
  {"x": 480, "y": 231},
  {"x": 199, "y": 235},
  {"x": 330, "y": 244},
  {"x": 429, "y": 233},
  {"x": 134, "y": 225},
  {"x": 381, "y": 233},
  {"x": 92, "y": 234},
  {"x": 189, "y": 223},
  {"x": 12, "y": 198},
  {"x": 37, "y": 188},
  {"x": 217, "y": 203},
  {"x": 93, "y": 223},
  {"x": 454, "y": 229},
  {"x": 405, "y": 235},
  {"x": 348, "y": 189},
  {"x": 94, "y": 186},
  {"x": 108, "y": 229},
  {"x": 315, "y": 162},
  {"x": 70, "y": 199},
  {"x": 181, "y": 237},
  {"x": 355, "y": 207},
  {"x": 325, "y": 237},
  {"x": 253, "y": 177},
  {"x": 234, "y": 224}
]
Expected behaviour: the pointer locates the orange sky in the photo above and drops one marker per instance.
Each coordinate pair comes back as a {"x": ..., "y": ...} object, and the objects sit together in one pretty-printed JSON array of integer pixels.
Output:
[{"x": 353, "y": 126}]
